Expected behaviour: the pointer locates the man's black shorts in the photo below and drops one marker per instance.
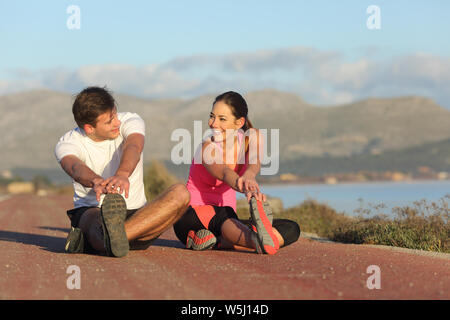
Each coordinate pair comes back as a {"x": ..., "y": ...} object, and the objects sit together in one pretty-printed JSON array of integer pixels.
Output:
[{"x": 75, "y": 214}]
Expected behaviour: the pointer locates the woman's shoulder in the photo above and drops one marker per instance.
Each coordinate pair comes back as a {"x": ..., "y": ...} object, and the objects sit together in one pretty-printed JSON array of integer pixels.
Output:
[
  {"x": 209, "y": 145},
  {"x": 206, "y": 152},
  {"x": 252, "y": 131}
]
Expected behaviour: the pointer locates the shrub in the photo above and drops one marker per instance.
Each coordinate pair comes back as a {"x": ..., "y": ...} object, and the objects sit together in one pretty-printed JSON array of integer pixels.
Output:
[
  {"x": 157, "y": 179},
  {"x": 423, "y": 226},
  {"x": 314, "y": 217}
]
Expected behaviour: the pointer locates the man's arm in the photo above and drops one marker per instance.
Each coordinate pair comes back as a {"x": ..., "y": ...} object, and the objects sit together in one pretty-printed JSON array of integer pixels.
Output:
[
  {"x": 82, "y": 174},
  {"x": 131, "y": 155}
]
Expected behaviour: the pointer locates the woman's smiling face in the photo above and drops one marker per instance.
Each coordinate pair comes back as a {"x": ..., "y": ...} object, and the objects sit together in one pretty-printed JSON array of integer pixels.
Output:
[{"x": 222, "y": 119}]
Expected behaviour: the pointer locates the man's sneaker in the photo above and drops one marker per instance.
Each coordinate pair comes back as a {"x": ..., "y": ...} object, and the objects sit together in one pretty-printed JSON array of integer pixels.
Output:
[
  {"x": 201, "y": 240},
  {"x": 114, "y": 212},
  {"x": 74, "y": 241},
  {"x": 260, "y": 219}
]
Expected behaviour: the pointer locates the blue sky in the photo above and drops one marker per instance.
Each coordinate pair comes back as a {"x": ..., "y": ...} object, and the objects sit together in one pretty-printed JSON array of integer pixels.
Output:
[{"x": 194, "y": 47}]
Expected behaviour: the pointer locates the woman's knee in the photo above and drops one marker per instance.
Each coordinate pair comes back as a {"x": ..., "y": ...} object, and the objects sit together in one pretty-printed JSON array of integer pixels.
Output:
[
  {"x": 288, "y": 229},
  {"x": 188, "y": 221}
]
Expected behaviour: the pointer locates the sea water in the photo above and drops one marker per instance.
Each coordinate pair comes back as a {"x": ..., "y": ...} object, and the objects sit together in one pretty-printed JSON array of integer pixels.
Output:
[{"x": 349, "y": 197}]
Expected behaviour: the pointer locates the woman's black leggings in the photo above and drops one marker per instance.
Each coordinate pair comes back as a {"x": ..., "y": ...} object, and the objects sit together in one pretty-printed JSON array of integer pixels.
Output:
[{"x": 289, "y": 230}]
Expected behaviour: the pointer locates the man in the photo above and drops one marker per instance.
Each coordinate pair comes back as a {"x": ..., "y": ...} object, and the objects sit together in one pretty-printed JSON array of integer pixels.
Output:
[{"x": 103, "y": 155}]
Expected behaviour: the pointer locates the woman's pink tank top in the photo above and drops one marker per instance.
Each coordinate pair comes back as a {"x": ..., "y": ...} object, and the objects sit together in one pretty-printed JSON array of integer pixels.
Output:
[{"x": 207, "y": 190}]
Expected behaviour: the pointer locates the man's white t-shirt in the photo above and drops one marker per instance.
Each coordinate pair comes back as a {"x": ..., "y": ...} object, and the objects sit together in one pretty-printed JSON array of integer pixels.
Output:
[{"x": 104, "y": 158}]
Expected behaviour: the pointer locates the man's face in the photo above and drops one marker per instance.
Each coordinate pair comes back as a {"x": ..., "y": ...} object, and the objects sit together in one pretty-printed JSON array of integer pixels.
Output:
[{"x": 107, "y": 127}]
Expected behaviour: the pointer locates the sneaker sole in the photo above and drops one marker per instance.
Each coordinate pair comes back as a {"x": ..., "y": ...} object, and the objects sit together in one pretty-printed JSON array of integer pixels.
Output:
[
  {"x": 269, "y": 214},
  {"x": 114, "y": 212},
  {"x": 200, "y": 240},
  {"x": 263, "y": 226}
]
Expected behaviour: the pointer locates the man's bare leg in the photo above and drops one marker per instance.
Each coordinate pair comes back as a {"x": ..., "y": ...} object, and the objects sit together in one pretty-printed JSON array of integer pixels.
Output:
[
  {"x": 159, "y": 215},
  {"x": 146, "y": 224}
]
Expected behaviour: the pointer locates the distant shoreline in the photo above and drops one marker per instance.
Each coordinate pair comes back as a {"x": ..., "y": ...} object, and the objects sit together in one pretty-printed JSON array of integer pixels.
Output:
[{"x": 298, "y": 183}]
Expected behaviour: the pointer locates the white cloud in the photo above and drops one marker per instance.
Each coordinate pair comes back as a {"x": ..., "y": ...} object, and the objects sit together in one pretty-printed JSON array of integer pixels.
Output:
[{"x": 320, "y": 77}]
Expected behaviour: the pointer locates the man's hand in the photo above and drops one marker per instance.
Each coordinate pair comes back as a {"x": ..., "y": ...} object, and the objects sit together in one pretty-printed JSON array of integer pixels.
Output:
[
  {"x": 98, "y": 188},
  {"x": 132, "y": 149},
  {"x": 117, "y": 184},
  {"x": 82, "y": 174}
]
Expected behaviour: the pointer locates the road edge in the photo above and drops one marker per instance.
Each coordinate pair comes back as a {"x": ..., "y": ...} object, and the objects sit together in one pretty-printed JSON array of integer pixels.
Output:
[{"x": 432, "y": 254}]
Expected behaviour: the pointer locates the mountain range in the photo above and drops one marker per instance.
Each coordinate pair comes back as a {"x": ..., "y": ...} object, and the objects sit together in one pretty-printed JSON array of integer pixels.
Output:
[{"x": 32, "y": 122}]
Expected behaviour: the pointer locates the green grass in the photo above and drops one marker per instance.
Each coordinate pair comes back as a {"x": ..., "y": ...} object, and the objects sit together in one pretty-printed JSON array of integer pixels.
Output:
[{"x": 423, "y": 225}]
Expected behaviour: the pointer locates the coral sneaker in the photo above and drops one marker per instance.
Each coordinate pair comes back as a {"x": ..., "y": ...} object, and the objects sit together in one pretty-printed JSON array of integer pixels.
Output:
[
  {"x": 263, "y": 224},
  {"x": 201, "y": 240}
]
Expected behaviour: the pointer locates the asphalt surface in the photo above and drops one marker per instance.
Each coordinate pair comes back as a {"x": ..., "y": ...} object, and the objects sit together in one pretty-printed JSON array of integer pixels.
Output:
[{"x": 33, "y": 265}]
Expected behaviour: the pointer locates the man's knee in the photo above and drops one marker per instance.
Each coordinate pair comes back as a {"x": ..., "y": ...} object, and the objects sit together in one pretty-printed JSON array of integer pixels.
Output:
[
  {"x": 88, "y": 218},
  {"x": 181, "y": 194}
]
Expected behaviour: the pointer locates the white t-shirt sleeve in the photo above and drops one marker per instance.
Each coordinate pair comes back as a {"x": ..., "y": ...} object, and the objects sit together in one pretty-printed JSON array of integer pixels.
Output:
[
  {"x": 132, "y": 123},
  {"x": 65, "y": 147}
]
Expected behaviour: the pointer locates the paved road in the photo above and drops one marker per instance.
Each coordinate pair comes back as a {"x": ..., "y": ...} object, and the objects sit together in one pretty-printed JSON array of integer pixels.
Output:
[{"x": 33, "y": 265}]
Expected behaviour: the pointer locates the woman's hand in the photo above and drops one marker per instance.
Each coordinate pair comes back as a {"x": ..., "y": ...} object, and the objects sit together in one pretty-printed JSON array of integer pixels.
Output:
[
  {"x": 258, "y": 196},
  {"x": 247, "y": 184}
]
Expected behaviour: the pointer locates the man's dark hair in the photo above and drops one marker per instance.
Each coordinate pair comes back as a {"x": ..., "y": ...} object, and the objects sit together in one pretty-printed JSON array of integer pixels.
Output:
[{"x": 90, "y": 103}]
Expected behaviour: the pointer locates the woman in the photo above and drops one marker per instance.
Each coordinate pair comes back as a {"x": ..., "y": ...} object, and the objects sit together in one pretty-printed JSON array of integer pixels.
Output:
[{"x": 227, "y": 162}]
